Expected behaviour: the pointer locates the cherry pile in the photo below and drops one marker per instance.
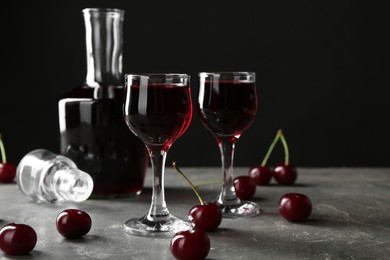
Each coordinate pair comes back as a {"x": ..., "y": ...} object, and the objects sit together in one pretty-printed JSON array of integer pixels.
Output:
[
  {"x": 20, "y": 239},
  {"x": 294, "y": 207}
]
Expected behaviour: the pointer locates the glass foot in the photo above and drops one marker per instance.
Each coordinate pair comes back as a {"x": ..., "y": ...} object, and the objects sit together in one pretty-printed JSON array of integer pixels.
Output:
[
  {"x": 241, "y": 210},
  {"x": 148, "y": 227}
]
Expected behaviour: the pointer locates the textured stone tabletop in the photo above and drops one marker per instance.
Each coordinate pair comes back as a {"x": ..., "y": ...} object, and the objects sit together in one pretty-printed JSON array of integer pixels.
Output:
[{"x": 350, "y": 219}]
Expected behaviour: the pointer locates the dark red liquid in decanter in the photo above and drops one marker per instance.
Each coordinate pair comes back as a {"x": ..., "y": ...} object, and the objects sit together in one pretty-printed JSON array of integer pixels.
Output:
[{"x": 95, "y": 136}]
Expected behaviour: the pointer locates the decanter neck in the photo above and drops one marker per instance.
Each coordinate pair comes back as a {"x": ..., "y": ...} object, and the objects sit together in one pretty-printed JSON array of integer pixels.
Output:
[{"x": 104, "y": 39}]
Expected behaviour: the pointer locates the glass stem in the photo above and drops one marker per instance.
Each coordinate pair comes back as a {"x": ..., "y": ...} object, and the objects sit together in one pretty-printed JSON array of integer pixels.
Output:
[
  {"x": 158, "y": 209},
  {"x": 228, "y": 195}
]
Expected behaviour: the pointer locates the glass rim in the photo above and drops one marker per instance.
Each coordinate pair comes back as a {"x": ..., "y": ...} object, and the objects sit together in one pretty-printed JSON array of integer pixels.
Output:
[
  {"x": 179, "y": 75},
  {"x": 103, "y": 10},
  {"x": 219, "y": 73}
]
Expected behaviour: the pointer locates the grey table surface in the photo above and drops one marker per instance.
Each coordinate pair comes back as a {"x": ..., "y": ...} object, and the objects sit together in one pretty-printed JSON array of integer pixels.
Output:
[{"x": 350, "y": 219}]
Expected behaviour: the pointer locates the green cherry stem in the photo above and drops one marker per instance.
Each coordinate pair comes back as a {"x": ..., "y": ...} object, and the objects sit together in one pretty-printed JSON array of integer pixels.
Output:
[
  {"x": 189, "y": 182},
  {"x": 271, "y": 147},
  {"x": 3, "y": 157},
  {"x": 285, "y": 146}
]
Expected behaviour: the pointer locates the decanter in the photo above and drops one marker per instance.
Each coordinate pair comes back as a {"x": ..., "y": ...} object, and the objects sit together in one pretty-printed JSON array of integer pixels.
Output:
[{"x": 93, "y": 131}]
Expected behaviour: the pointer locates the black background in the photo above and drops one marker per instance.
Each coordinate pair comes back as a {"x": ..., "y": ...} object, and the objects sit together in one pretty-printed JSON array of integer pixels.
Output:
[{"x": 318, "y": 66}]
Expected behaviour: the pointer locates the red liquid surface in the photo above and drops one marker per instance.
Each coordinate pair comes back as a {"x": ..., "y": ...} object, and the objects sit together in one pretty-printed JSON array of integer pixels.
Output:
[
  {"x": 227, "y": 108},
  {"x": 95, "y": 136},
  {"x": 159, "y": 114}
]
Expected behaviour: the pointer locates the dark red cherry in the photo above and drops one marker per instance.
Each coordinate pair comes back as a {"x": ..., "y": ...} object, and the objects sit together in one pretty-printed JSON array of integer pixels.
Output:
[
  {"x": 190, "y": 245},
  {"x": 207, "y": 217},
  {"x": 295, "y": 207},
  {"x": 260, "y": 174},
  {"x": 73, "y": 223},
  {"x": 245, "y": 187},
  {"x": 7, "y": 172},
  {"x": 17, "y": 239},
  {"x": 285, "y": 174}
]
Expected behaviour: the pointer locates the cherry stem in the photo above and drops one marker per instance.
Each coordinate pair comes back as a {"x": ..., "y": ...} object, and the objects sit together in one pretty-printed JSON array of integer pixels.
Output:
[
  {"x": 271, "y": 147},
  {"x": 188, "y": 181},
  {"x": 3, "y": 157},
  {"x": 285, "y": 146}
]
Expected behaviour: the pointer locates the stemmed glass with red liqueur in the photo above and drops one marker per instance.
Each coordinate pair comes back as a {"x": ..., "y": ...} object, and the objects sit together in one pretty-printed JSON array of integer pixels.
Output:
[
  {"x": 227, "y": 106},
  {"x": 158, "y": 110}
]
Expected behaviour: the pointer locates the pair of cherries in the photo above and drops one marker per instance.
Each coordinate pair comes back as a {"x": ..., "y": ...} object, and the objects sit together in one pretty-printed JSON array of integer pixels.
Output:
[
  {"x": 20, "y": 239},
  {"x": 294, "y": 207},
  {"x": 284, "y": 174},
  {"x": 260, "y": 174}
]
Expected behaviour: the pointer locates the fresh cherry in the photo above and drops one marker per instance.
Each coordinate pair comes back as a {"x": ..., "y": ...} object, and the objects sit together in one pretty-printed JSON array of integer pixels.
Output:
[
  {"x": 260, "y": 174},
  {"x": 73, "y": 223},
  {"x": 245, "y": 187},
  {"x": 285, "y": 174},
  {"x": 190, "y": 245},
  {"x": 17, "y": 239},
  {"x": 7, "y": 170},
  {"x": 206, "y": 216},
  {"x": 295, "y": 207}
]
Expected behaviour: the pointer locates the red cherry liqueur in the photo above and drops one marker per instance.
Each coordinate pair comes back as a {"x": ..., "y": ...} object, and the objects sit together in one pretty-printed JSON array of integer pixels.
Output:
[{"x": 92, "y": 129}]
